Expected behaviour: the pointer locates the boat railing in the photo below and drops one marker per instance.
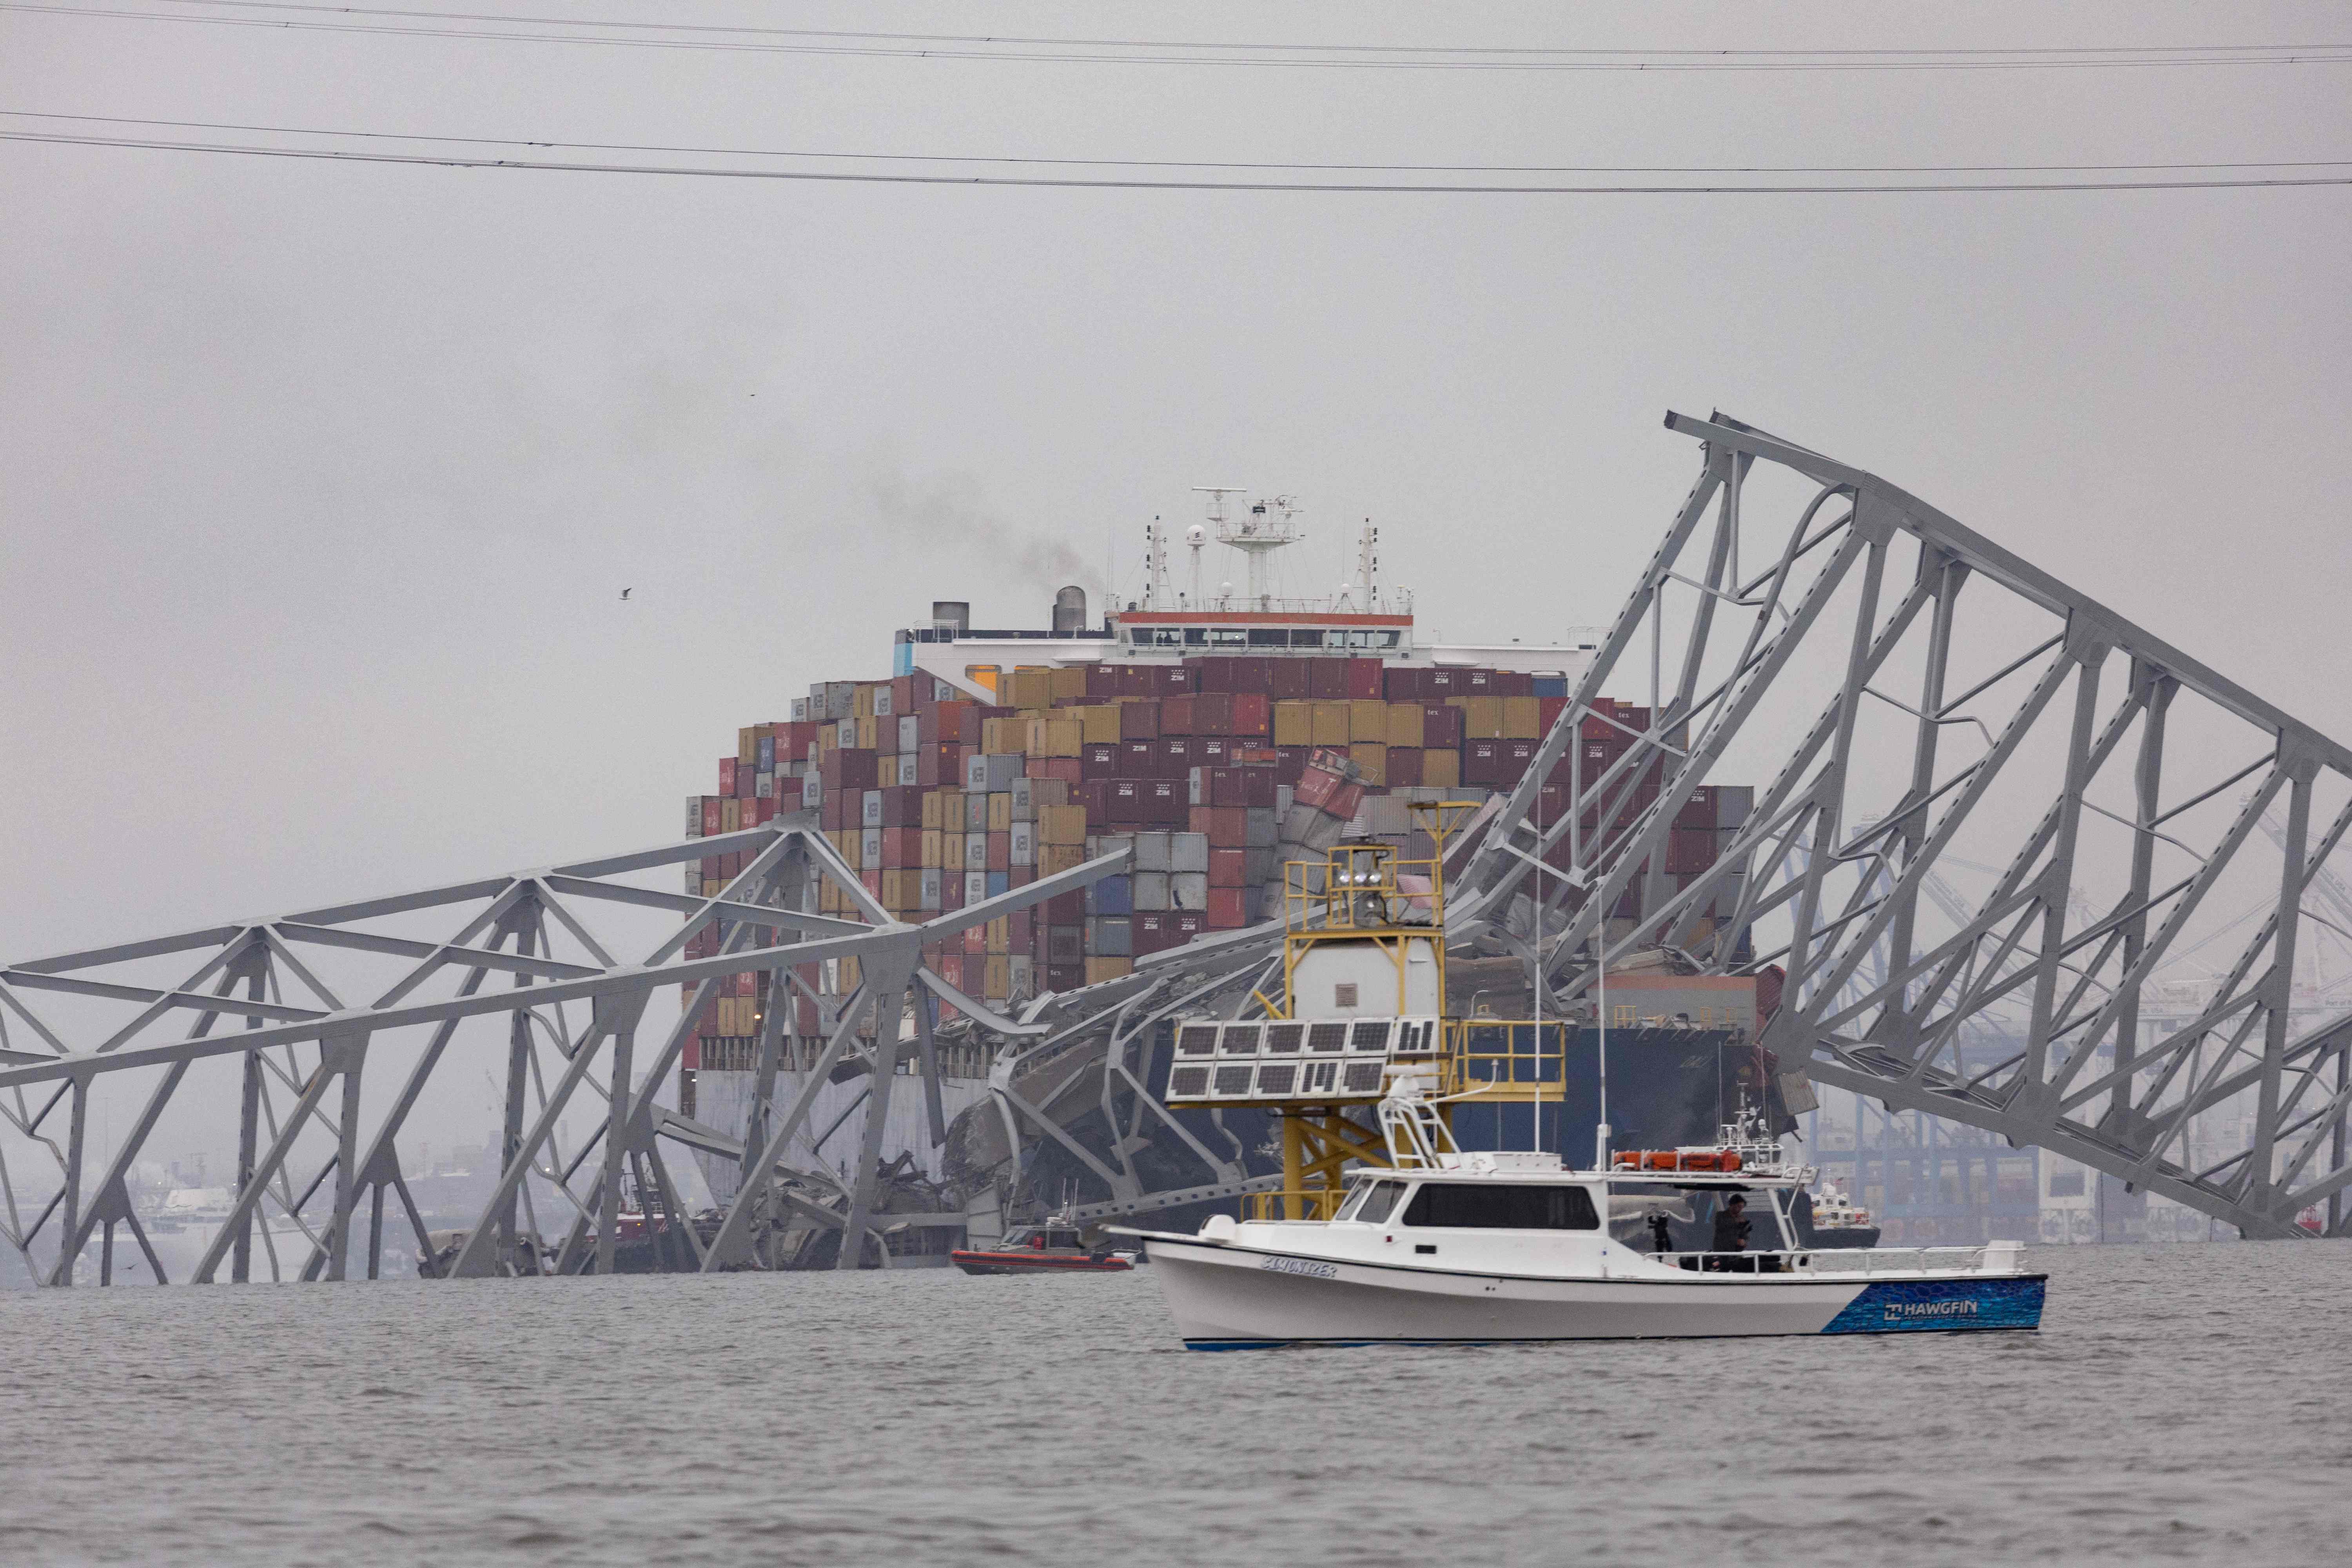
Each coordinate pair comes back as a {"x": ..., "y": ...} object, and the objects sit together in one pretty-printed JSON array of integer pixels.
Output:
[
  {"x": 1826, "y": 1260},
  {"x": 1294, "y": 1202}
]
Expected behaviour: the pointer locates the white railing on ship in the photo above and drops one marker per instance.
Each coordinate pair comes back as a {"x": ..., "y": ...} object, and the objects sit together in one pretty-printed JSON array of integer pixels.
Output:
[{"x": 1828, "y": 1260}]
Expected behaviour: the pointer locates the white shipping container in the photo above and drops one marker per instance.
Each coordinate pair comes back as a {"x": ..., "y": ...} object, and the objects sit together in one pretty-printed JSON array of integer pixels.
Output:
[
  {"x": 1149, "y": 890},
  {"x": 800, "y": 710},
  {"x": 975, "y": 887},
  {"x": 882, "y": 704},
  {"x": 812, "y": 790},
  {"x": 869, "y": 849},
  {"x": 1189, "y": 889},
  {"x": 932, "y": 885},
  {"x": 869, "y": 808},
  {"x": 976, "y": 853},
  {"x": 1024, "y": 843},
  {"x": 1188, "y": 854},
  {"x": 694, "y": 816},
  {"x": 911, "y": 734},
  {"x": 1151, "y": 855}
]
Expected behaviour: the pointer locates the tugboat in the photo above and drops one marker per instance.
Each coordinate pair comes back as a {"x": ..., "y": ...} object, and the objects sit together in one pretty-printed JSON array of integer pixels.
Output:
[
  {"x": 1055, "y": 1245},
  {"x": 1388, "y": 1233}
]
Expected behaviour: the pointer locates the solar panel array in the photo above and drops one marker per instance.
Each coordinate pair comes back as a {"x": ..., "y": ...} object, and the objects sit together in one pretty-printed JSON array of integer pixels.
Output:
[{"x": 1281, "y": 1059}]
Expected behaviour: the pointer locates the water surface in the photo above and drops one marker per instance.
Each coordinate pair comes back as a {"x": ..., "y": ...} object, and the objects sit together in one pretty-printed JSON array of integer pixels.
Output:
[{"x": 2187, "y": 1404}]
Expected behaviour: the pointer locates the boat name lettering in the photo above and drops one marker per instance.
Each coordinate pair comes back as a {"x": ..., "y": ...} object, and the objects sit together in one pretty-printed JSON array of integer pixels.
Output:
[
  {"x": 1301, "y": 1265},
  {"x": 1931, "y": 1309}
]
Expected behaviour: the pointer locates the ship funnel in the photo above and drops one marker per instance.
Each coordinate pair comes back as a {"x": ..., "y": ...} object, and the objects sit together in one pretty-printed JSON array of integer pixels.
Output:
[
  {"x": 951, "y": 616},
  {"x": 1070, "y": 610}
]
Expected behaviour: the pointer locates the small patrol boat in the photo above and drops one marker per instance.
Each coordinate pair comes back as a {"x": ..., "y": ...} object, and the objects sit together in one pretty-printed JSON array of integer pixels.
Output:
[
  {"x": 1836, "y": 1220},
  {"x": 1392, "y": 1234},
  {"x": 1055, "y": 1245}
]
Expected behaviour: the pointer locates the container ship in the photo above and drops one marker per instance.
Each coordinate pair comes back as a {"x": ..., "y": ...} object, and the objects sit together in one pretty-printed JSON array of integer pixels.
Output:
[{"x": 1218, "y": 732}]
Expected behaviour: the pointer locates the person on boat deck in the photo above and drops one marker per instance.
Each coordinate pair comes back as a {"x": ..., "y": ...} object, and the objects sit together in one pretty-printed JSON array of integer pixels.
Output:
[
  {"x": 1732, "y": 1225},
  {"x": 1661, "y": 1232}
]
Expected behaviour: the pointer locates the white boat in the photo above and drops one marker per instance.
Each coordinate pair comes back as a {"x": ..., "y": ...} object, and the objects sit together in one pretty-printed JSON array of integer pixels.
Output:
[{"x": 1445, "y": 1247}]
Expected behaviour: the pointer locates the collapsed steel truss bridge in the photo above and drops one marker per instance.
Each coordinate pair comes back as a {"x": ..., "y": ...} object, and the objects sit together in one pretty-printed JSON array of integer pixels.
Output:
[{"x": 1910, "y": 698}]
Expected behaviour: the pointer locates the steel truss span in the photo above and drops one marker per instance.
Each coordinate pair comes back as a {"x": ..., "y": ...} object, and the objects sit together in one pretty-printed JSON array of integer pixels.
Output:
[
  {"x": 1921, "y": 699},
  {"x": 322, "y": 1086},
  {"x": 1912, "y": 702}
]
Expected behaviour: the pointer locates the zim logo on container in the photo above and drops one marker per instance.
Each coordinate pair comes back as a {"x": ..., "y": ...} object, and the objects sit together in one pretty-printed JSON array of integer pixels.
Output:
[
  {"x": 1301, "y": 1265},
  {"x": 1897, "y": 1310}
]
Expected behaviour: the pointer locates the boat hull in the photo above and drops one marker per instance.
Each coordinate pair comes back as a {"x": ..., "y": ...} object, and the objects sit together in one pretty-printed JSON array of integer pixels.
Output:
[
  {"x": 1230, "y": 1297},
  {"x": 1036, "y": 1263}
]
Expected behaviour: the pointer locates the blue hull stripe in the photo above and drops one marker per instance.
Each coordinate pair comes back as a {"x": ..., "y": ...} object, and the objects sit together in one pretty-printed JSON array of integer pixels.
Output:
[{"x": 1941, "y": 1306}]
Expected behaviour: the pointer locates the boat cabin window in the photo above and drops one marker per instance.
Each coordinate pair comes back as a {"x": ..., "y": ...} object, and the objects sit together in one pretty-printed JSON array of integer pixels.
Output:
[
  {"x": 1497, "y": 1206},
  {"x": 1061, "y": 1238},
  {"x": 1371, "y": 1201}
]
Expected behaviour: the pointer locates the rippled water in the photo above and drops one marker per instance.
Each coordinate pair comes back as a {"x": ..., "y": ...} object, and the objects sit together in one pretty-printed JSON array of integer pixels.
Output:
[{"x": 2190, "y": 1403}]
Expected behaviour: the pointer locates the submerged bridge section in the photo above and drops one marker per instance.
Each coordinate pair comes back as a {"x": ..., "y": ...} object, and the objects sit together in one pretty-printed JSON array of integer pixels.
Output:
[{"x": 1921, "y": 699}]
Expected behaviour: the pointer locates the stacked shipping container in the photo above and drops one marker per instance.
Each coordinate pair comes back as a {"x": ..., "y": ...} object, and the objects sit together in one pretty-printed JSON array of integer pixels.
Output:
[{"x": 938, "y": 801}]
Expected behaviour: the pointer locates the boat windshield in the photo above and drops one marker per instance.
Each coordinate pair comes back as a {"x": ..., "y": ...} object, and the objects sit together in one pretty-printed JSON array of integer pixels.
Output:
[
  {"x": 1372, "y": 1201},
  {"x": 1497, "y": 1206}
]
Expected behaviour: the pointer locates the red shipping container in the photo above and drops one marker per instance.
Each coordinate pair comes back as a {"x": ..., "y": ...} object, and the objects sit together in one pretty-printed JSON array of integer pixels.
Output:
[
  {"x": 1227, "y": 867},
  {"x": 692, "y": 1058},
  {"x": 1190, "y": 923},
  {"x": 902, "y": 693},
  {"x": 951, "y": 968},
  {"x": 833, "y": 812},
  {"x": 1169, "y": 680},
  {"x": 725, "y": 778},
  {"x": 1482, "y": 763},
  {"x": 1364, "y": 676},
  {"x": 1000, "y": 851},
  {"x": 848, "y": 770},
  {"x": 1253, "y": 675},
  {"x": 1175, "y": 754},
  {"x": 1153, "y": 930},
  {"x": 1326, "y": 680},
  {"x": 1518, "y": 757},
  {"x": 1287, "y": 679},
  {"x": 1477, "y": 683},
  {"x": 1213, "y": 713},
  {"x": 1066, "y": 909},
  {"x": 1514, "y": 683},
  {"x": 1441, "y": 727},
  {"x": 1102, "y": 681},
  {"x": 1690, "y": 850},
  {"x": 872, "y": 881},
  {"x": 1548, "y": 711},
  {"x": 1139, "y": 759},
  {"x": 1228, "y": 909},
  {"x": 951, "y": 891},
  {"x": 975, "y": 940},
  {"x": 1211, "y": 750},
  {"x": 1345, "y": 800},
  {"x": 1439, "y": 682},
  {"x": 1402, "y": 683},
  {"x": 711, "y": 827},
  {"x": 1134, "y": 681},
  {"x": 1403, "y": 768},
  {"x": 1176, "y": 715},
  {"x": 902, "y": 848},
  {"x": 1211, "y": 674},
  {"x": 1253, "y": 713},
  {"x": 1098, "y": 760},
  {"x": 1228, "y": 827},
  {"x": 902, "y": 807},
  {"x": 1290, "y": 764},
  {"x": 1095, "y": 796},
  {"x": 1066, "y": 976},
  {"x": 1020, "y": 875},
  {"x": 1065, "y": 769},
  {"x": 1698, "y": 811},
  {"x": 1169, "y": 801},
  {"x": 1127, "y": 805}
]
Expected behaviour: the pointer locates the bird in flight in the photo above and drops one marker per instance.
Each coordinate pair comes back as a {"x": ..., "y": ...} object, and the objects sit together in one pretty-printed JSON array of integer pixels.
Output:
[{"x": 626, "y": 592}]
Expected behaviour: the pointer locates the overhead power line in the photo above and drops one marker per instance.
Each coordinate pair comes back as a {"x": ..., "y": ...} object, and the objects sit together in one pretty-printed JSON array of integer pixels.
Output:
[
  {"x": 1001, "y": 160},
  {"x": 286, "y": 15},
  {"x": 845, "y": 176}
]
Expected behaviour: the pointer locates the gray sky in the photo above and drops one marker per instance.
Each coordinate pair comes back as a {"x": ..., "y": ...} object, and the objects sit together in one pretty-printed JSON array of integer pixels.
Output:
[{"x": 318, "y": 483}]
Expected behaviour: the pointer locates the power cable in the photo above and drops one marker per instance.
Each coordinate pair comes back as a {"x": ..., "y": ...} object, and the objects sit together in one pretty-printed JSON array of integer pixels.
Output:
[
  {"x": 961, "y": 158},
  {"x": 1056, "y": 52},
  {"x": 1069, "y": 183}
]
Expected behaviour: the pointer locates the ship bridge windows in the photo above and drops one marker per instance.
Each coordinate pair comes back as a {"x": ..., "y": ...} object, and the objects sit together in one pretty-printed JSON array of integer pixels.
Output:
[
  {"x": 1228, "y": 636},
  {"x": 1499, "y": 1205},
  {"x": 1156, "y": 637},
  {"x": 1371, "y": 1201},
  {"x": 1269, "y": 636},
  {"x": 1302, "y": 637}
]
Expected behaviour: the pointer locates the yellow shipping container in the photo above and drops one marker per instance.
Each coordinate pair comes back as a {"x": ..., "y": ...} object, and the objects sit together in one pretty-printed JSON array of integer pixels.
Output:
[
  {"x": 932, "y": 809},
  {"x": 930, "y": 848},
  {"x": 1405, "y": 725},
  {"x": 1522, "y": 718},
  {"x": 1367, "y": 721},
  {"x": 997, "y": 978},
  {"x": 1100, "y": 722},
  {"x": 1482, "y": 718},
  {"x": 1373, "y": 760},
  {"x": 868, "y": 732},
  {"x": 1069, "y": 683},
  {"x": 1000, "y": 935},
  {"x": 1294, "y": 724},
  {"x": 1334, "y": 724},
  {"x": 730, "y": 815},
  {"x": 1063, "y": 737},
  {"x": 861, "y": 701},
  {"x": 828, "y": 739},
  {"x": 1000, "y": 813},
  {"x": 1030, "y": 687},
  {"x": 1101, "y": 969},
  {"x": 1053, "y": 857},
  {"x": 746, "y": 745},
  {"x": 885, "y": 771},
  {"x": 951, "y": 852},
  {"x": 1062, "y": 825},
  {"x": 1002, "y": 737},
  {"x": 1441, "y": 770}
]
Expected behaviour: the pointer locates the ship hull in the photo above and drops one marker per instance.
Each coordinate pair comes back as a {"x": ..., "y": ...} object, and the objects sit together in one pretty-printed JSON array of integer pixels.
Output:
[{"x": 1229, "y": 1298}]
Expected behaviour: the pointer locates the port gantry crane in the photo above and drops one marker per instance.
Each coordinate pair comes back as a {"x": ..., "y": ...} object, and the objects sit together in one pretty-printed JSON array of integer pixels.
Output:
[{"x": 1919, "y": 698}]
